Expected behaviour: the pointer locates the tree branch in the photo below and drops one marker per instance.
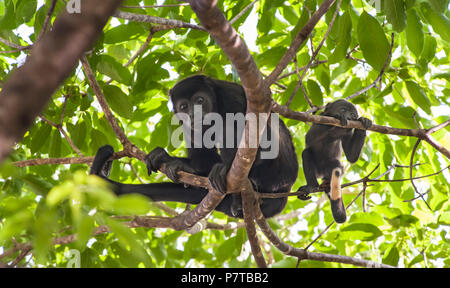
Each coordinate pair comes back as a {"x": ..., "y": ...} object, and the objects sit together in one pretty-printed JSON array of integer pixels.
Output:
[
  {"x": 155, "y": 20},
  {"x": 249, "y": 205},
  {"x": 301, "y": 36},
  {"x": 28, "y": 89},
  {"x": 315, "y": 53}
]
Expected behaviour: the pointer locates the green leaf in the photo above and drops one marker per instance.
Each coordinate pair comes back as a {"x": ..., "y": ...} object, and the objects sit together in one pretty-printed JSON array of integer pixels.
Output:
[
  {"x": 392, "y": 257},
  {"x": 445, "y": 218},
  {"x": 344, "y": 38},
  {"x": 132, "y": 204},
  {"x": 125, "y": 32},
  {"x": 360, "y": 231},
  {"x": 440, "y": 6},
  {"x": 440, "y": 23},
  {"x": 402, "y": 221},
  {"x": 418, "y": 96},
  {"x": 414, "y": 33},
  {"x": 315, "y": 94},
  {"x": 55, "y": 144},
  {"x": 25, "y": 10},
  {"x": 118, "y": 101},
  {"x": 60, "y": 193},
  {"x": 323, "y": 75},
  {"x": 113, "y": 69},
  {"x": 39, "y": 185},
  {"x": 429, "y": 49},
  {"x": 78, "y": 133},
  {"x": 84, "y": 230},
  {"x": 395, "y": 14},
  {"x": 128, "y": 240},
  {"x": 39, "y": 137},
  {"x": 386, "y": 91},
  {"x": 373, "y": 41}
]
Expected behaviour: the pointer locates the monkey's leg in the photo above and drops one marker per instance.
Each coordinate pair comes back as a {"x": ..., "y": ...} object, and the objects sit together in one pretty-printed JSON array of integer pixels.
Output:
[
  {"x": 335, "y": 194},
  {"x": 310, "y": 171}
]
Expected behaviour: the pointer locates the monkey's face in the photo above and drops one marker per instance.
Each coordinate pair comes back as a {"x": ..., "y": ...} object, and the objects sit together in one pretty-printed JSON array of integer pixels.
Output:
[
  {"x": 342, "y": 110},
  {"x": 192, "y": 110}
]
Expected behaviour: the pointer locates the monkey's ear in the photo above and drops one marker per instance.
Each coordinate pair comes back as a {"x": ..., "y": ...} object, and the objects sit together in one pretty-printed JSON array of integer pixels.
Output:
[{"x": 170, "y": 93}]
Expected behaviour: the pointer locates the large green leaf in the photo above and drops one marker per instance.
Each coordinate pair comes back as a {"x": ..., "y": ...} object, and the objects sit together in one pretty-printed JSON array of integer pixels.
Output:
[
  {"x": 440, "y": 6},
  {"x": 344, "y": 38},
  {"x": 360, "y": 231},
  {"x": 439, "y": 22},
  {"x": 315, "y": 93},
  {"x": 396, "y": 14},
  {"x": 113, "y": 69},
  {"x": 414, "y": 33},
  {"x": 418, "y": 96},
  {"x": 372, "y": 40},
  {"x": 118, "y": 101}
]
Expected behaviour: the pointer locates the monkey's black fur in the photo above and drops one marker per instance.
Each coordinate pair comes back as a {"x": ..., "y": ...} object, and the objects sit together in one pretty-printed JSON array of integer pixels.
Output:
[
  {"x": 267, "y": 175},
  {"x": 324, "y": 145}
]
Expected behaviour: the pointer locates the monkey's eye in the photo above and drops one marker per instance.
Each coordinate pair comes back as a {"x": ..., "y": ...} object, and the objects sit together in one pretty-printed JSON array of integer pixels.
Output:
[
  {"x": 200, "y": 100},
  {"x": 183, "y": 106},
  {"x": 354, "y": 115}
]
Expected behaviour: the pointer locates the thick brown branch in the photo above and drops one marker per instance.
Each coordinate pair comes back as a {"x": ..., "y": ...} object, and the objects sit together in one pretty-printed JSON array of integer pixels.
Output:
[
  {"x": 29, "y": 88},
  {"x": 256, "y": 91},
  {"x": 156, "y": 20}
]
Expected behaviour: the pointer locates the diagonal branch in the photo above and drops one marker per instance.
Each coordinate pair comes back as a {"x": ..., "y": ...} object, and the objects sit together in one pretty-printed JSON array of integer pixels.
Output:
[
  {"x": 301, "y": 36},
  {"x": 315, "y": 53},
  {"x": 28, "y": 89}
]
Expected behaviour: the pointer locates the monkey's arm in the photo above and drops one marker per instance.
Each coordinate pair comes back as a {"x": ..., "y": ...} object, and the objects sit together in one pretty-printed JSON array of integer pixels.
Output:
[
  {"x": 200, "y": 162},
  {"x": 352, "y": 144}
]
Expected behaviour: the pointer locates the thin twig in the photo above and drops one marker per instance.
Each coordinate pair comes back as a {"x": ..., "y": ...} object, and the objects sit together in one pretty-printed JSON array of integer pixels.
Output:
[
  {"x": 380, "y": 76},
  {"x": 47, "y": 20},
  {"x": 245, "y": 10},
  {"x": 315, "y": 53},
  {"x": 63, "y": 132},
  {"x": 411, "y": 172},
  {"x": 13, "y": 45},
  {"x": 299, "y": 39}
]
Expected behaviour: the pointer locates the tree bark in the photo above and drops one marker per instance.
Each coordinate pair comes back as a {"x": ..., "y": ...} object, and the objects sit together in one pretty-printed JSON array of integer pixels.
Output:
[{"x": 52, "y": 59}]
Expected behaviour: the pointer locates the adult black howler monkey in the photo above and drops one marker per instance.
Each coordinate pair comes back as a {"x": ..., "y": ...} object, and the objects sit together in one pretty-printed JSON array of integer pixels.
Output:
[
  {"x": 274, "y": 175},
  {"x": 324, "y": 145}
]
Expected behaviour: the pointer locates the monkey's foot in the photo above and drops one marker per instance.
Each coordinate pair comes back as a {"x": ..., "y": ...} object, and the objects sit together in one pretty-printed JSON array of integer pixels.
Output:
[
  {"x": 218, "y": 177},
  {"x": 305, "y": 191}
]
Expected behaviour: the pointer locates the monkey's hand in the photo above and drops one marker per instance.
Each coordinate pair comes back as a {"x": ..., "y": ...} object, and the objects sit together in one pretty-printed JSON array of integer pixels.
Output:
[
  {"x": 156, "y": 158},
  {"x": 306, "y": 190},
  {"x": 159, "y": 156},
  {"x": 218, "y": 177},
  {"x": 366, "y": 122}
]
